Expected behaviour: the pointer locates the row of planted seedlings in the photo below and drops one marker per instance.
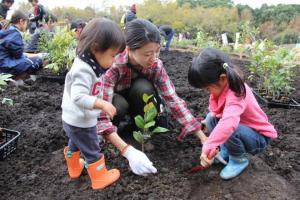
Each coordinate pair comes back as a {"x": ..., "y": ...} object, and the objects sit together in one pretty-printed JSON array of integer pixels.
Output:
[{"x": 273, "y": 69}]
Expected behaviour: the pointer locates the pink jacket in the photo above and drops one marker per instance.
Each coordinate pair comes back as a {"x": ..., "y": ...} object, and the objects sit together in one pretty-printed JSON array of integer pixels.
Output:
[{"x": 232, "y": 111}]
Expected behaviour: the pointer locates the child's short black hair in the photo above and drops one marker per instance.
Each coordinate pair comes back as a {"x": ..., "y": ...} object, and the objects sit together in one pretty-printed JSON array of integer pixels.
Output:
[
  {"x": 139, "y": 32},
  {"x": 17, "y": 16},
  {"x": 209, "y": 65},
  {"x": 100, "y": 34}
]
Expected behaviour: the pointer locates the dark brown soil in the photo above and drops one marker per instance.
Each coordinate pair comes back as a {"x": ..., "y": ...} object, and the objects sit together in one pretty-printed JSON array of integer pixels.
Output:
[{"x": 37, "y": 170}]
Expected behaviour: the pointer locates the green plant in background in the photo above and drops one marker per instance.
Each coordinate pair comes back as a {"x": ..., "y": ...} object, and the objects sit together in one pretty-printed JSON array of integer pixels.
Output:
[
  {"x": 184, "y": 43},
  {"x": 147, "y": 122},
  {"x": 203, "y": 40},
  {"x": 26, "y": 37},
  {"x": 3, "y": 79},
  {"x": 273, "y": 69},
  {"x": 61, "y": 51},
  {"x": 248, "y": 32},
  {"x": 44, "y": 40}
]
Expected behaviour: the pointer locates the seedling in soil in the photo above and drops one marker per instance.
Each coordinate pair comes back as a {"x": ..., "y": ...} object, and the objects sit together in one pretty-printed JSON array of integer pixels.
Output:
[
  {"x": 3, "y": 79},
  {"x": 7, "y": 101},
  {"x": 147, "y": 122}
]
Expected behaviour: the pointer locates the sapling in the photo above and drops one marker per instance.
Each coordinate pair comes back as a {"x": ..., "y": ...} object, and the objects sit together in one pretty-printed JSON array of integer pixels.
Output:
[
  {"x": 147, "y": 123},
  {"x": 3, "y": 79}
]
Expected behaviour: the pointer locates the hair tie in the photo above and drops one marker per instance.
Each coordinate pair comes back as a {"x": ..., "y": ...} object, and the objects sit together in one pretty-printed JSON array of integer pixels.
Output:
[{"x": 225, "y": 66}]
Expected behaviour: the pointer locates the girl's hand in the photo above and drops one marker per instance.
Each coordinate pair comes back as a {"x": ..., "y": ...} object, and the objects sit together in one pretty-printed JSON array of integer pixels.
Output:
[
  {"x": 109, "y": 109},
  {"x": 106, "y": 107},
  {"x": 204, "y": 161}
]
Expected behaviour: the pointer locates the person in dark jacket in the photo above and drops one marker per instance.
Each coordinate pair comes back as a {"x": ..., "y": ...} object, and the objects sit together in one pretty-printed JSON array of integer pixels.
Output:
[
  {"x": 131, "y": 14},
  {"x": 12, "y": 58},
  {"x": 4, "y": 7},
  {"x": 167, "y": 32},
  {"x": 39, "y": 13}
]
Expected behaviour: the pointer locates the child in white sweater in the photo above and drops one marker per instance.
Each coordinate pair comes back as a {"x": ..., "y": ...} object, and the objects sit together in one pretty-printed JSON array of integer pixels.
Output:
[{"x": 98, "y": 44}]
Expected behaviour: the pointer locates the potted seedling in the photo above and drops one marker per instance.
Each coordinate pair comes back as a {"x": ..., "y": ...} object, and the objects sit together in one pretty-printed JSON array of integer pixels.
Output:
[
  {"x": 273, "y": 69},
  {"x": 146, "y": 124},
  {"x": 8, "y": 138}
]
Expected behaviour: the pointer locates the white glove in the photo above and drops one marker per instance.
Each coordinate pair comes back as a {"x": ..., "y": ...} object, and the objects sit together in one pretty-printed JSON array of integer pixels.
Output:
[{"x": 139, "y": 162}]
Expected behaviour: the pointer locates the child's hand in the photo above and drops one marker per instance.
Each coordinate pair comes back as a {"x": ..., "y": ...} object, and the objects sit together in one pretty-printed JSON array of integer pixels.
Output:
[
  {"x": 204, "y": 161},
  {"x": 109, "y": 109},
  {"x": 106, "y": 107}
]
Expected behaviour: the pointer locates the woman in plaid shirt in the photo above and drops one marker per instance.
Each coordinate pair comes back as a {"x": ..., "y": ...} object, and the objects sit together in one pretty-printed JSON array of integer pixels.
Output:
[{"x": 136, "y": 71}]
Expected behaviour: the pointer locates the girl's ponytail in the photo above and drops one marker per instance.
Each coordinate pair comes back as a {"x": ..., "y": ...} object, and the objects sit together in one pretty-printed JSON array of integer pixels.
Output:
[{"x": 235, "y": 81}]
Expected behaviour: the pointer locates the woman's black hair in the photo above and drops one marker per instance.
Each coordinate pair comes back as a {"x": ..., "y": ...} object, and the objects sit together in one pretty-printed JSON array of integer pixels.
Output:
[
  {"x": 139, "y": 32},
  {"x": 17, "y": 16},
  {"x": 209, "y": 65},
  {"x": 100, "y": 34}
]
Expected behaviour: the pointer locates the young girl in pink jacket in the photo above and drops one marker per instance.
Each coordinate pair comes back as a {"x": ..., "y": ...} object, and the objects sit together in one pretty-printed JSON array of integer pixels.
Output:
[{"x": 235, "y": 121}]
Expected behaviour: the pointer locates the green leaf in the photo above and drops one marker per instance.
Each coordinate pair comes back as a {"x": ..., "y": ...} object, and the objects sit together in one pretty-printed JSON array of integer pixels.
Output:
[
  {"x": 139, "y": 121},
  {"x": 150, "y": 124},
  {"x": 7, "y": 101},
  {"x": 160, "y": 130},
  {"x": 4, "y": 78},
  {"x": 138, "y": 136},
  {"x": 148, "y": 106},
  {"x": 150, "y": 114},
  {"x": 146, "y": 97}
]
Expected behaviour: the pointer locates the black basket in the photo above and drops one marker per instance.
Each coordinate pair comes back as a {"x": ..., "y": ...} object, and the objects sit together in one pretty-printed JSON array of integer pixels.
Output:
[{"x": 8, "y": 142}]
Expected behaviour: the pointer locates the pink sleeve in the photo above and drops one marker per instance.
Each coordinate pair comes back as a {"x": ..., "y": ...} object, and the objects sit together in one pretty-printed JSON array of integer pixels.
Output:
[{"x": 228, "y": 123}]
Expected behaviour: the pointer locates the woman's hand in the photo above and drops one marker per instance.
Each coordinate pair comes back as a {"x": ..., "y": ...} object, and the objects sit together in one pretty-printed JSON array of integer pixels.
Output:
[
  {"x": 204, "y": 127},
  {"x": 139, "y": 162},
  {"x": 199, "y": 133}
]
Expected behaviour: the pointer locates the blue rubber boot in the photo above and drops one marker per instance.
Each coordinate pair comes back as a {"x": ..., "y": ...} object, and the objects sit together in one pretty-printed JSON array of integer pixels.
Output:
[
  {"x": 235, "y": 167},
  {"x": 223, "y": 153}
]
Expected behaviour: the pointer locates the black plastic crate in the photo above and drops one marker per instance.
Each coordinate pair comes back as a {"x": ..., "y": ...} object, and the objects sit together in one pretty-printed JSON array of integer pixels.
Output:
[{"x": 8, "y": 142}]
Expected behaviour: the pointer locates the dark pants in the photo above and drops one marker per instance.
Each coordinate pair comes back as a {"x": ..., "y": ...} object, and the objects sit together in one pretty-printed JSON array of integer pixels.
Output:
[
  {"x": 29, "y": 65},
  {"x": 84, "y": 140},
  {"x": 169, "y": 39},
  {"x": 130, "y": 101}
]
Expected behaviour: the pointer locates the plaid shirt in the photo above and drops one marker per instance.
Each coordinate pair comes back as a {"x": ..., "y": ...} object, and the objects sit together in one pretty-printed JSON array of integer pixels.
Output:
[{"x": 119, "y": 77}]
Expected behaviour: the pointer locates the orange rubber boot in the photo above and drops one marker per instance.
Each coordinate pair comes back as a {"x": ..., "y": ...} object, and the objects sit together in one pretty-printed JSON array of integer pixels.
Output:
[
  {"x": 74, "y": 162},
  {"x": 100, "y": 176}
]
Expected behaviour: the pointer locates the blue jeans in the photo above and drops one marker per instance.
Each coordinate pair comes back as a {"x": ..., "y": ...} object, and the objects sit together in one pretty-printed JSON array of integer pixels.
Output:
[{"x": 242, "y": 141}]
